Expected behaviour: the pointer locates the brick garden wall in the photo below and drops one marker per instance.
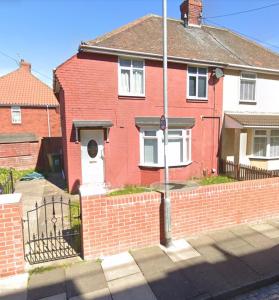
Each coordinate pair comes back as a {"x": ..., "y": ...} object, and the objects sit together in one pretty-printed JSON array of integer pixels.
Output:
[
  {"x": 116, "y": 224},
  {"x": 11, "y": 244}
]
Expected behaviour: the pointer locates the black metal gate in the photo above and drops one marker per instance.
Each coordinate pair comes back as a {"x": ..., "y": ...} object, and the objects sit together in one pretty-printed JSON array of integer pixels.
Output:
[{"x": 52, "y": 231}]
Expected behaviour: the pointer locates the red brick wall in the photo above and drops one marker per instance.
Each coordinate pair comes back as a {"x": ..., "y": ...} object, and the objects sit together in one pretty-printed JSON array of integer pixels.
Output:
[
  {"x": 11, "y": 244},
  {"x": 32, "y": 120},
  {"x": 90, "y": 92},
  {"x": 115, "y": 224},
  {"x": 19, "y": 155}
]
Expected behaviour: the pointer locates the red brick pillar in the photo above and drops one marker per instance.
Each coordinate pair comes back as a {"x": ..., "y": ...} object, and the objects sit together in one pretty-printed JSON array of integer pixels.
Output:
[{"x": 11, "y": 240}]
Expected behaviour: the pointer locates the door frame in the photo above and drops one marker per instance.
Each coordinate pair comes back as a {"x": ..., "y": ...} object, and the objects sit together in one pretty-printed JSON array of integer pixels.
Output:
[{"x": 104, "y": 154}]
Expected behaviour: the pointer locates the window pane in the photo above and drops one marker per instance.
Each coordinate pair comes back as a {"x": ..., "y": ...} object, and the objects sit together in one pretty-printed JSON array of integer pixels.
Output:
[
  {"x": 151, "y": 151},
  {"x": 138, "y": 82},
  {"x": 260, "y": 132},
  {"x": 274, "y": 146},
  {"x": 125, "y": 62},
  {"x": 202, "y": 87},
  {"x": 274, "y": 132},
  {"x": 150, "y": 133},
  {"x": 187, "y": 149},
  {"x": 192, "y": 70},
  {"x": 248, "y": 76},
  {"x": 125, "y": 81},
  {"x": 202, "y": 71},
  {"x": 192, "y": 86},
  {"x": 175, "y": 148},
  {"x": 175, "y": 133},
  {"x": 260, "y": 146},
  {"x": 137, "y": 64},
  {"x": 247, "y": 90}
]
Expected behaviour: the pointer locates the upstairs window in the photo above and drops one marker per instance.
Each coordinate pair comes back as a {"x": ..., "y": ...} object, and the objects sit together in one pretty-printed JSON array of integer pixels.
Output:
[
  {"x": 197, "y": 83},
  {"x": 16, "y": 114},
  {"x": 131, "y": 77},
  {"x": 248, "y": 87}
]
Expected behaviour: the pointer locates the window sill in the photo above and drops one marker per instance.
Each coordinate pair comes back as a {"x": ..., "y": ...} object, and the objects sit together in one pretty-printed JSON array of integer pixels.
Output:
[
  {"x": 198, "y": 100},
  {"x": 162, "y": 166},
  {"x": 264, "y": 158},
  {"x": 131, "y": 97},
  {"x": 248, "y": 102}
]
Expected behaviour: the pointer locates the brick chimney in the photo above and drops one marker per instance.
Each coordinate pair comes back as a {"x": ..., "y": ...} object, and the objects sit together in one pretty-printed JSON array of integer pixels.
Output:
[
  {"x": 191, "y": 12},
  {"x": 24, "y": 65}
]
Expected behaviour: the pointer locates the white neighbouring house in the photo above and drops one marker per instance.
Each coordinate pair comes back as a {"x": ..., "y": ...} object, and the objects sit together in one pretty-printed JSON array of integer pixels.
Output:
[{"x": 250, "y": 132}]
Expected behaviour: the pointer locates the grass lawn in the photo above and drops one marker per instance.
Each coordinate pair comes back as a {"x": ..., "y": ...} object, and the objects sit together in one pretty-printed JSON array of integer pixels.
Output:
[
  {"x": 4, "y": 174},
  {"x": 129, "y": 189},
  {"x": 215, "y": 180}
]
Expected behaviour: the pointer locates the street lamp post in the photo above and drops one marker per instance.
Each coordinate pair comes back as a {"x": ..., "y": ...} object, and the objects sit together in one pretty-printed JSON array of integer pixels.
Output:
[{"x": 167, "y": 201}]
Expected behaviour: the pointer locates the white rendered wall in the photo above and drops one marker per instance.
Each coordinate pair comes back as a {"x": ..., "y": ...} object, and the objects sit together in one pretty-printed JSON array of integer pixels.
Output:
[{"x": 267, "y": 94}]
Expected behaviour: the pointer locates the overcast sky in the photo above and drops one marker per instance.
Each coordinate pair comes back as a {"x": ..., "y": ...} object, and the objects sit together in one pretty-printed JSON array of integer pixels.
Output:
[{"x": 47, "y": 32}]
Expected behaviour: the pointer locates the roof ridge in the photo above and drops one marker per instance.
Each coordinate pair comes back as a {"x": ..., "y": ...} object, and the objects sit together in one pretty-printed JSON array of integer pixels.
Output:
[{"x": 121, "y": 29}]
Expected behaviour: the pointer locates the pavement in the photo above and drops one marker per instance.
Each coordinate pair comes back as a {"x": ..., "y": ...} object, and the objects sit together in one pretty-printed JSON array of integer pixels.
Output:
[{"x": 233, "y": 263}]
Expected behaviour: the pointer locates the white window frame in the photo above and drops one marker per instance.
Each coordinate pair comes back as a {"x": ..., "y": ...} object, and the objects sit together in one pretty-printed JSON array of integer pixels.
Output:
[
  {"x": 247, "y": 79},
  {"x": 268, "y": 136},
  {"x": 132, "y": 94},
  {"x": 186, "y": 135},
  {"x": 197, "y": 85},
  {"x": 15, "y": 109}
]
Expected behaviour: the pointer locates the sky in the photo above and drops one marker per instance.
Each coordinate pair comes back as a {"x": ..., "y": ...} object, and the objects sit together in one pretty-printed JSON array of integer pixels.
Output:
[{"x": 47, "y": 32}]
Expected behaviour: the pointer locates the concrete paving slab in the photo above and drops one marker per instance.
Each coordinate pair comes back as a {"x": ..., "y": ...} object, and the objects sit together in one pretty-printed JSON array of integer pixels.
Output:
[
  {"x": 131, "y": 287},
  {"x": 207, "y": 246},
  {"x": 163, "y": 275},
  {"x": 14, "y": 287},
  {"x": 203, "y": 276},
  {"x": 180, "y": 250},
  {"x": 103, "y": 294},
  {"x": 253, "y": 237},
  {"x": 267, "y": 230},
  {"x": 56, "y": 297},
  {"x": 49, "y": 283},
  {"x": 152, "y": 260},
  {"x": 84, "y": 278},
  {"x": 119, "y": 265}
]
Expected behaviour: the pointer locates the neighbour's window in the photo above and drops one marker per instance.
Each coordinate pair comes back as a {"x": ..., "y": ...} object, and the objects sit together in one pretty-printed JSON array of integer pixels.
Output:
[
  {"x": 197, "y": 83},
  {"x": 16, "y": 114},
  {"x": 266, "y": 143},
  {"x": 152, "y": 147},
  {"x": 247, "y": 87},
  {"x": 131, "y": 77}
]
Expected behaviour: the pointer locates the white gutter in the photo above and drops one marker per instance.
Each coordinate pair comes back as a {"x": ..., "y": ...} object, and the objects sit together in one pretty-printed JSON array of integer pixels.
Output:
[
  {"x": 175, "y": 59},
  {"x": 48, "y": 122}
]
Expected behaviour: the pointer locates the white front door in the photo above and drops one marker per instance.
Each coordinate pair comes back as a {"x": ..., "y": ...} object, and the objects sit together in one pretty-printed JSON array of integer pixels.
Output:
[{"x": 92, "y": 159}]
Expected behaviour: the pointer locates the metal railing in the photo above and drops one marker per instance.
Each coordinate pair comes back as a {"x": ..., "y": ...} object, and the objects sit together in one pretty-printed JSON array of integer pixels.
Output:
[
  {"x": 8, "y": 187},
  {"x": 244, "y": 172}
]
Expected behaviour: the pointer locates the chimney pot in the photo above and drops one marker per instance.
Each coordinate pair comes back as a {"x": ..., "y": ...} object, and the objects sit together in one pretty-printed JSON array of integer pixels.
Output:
[
  {"x": 191, "y": 12},
  {"x": 24, "y": 65}
]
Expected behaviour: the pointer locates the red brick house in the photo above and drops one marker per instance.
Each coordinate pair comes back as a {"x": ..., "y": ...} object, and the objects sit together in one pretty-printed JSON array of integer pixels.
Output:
[
  {"x": 111, "y": 98},
  {"x": 29, "y": 112}
]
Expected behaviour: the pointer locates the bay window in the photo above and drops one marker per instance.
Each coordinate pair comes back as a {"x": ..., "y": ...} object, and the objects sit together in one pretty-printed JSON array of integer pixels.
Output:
[
  {"x": 131, "y": 77},
  {"x": 152, "y": 147},
  {"x": 266, "y": 143},
  {"x": 197, "y": 83},
  {"x": 248, "y": 87}
]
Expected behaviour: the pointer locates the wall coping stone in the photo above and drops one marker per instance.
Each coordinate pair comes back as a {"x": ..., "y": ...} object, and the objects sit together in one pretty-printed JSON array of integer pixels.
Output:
[{"x": 10, "y": 198}]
